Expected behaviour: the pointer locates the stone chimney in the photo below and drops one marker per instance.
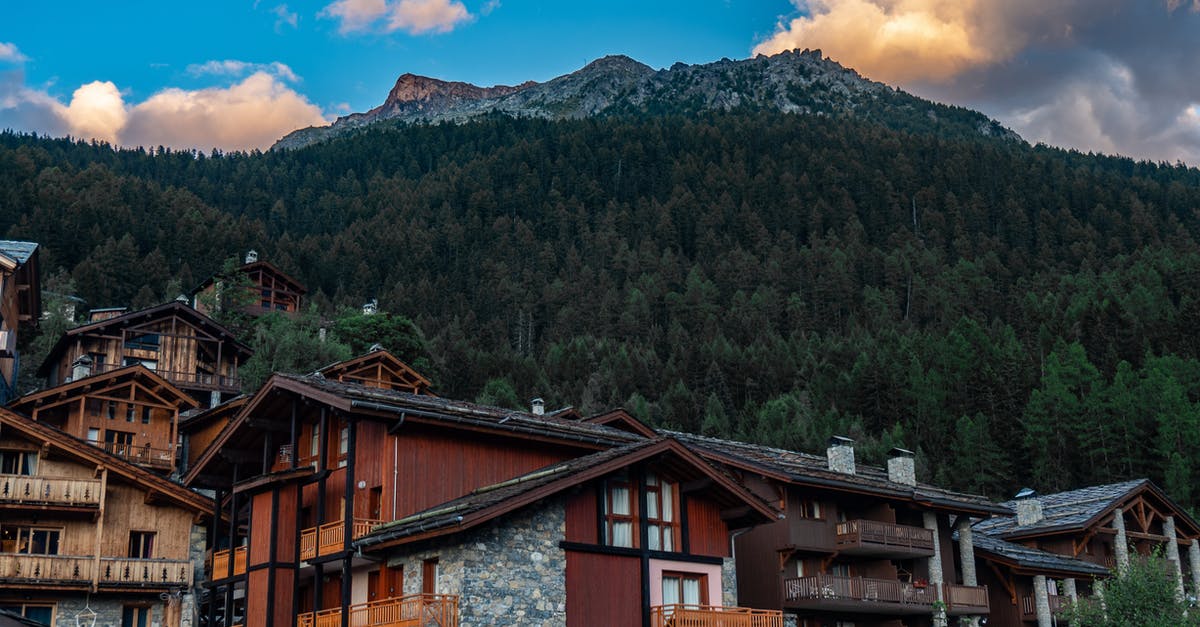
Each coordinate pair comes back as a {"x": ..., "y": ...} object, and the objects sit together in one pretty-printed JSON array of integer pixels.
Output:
[
  {"x": 251, "y": 256},
  {"x": 81, "y": 367},
  {"x": 1029, "y": 507},
  {"x": 370, "y": 307},
  {"x": 840, "y": 455},
  {"x": 538, "y": 406},
  {"x": 902, "y": 467}
]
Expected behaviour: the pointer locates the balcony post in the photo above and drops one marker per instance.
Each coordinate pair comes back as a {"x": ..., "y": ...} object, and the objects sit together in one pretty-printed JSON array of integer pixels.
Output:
[
  {"x": 1194, "y": 561},
  {"x": 99, "y": 531},
  {"x": 1072, "y": 593},
  {"x": 1173, "y": 555},
  {"x": 1041, "y": 598},
  {"x": 1121, "y": 542},
  {"x": 936, "y": 578},
  {"x": 966, "y": 558}
]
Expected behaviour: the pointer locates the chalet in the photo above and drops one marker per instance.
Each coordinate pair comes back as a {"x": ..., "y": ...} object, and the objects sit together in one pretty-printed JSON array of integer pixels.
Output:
[
  {"x": 20, "y": 303},
  {"x": 84, "y": 533},
  {"x": 310, "y": 465},
  {"x": 378, "y": 369},
  {"x": 859, "y": 545},
  {"x": 133, "y": 413},
  {"x": 268, "y": 289},
  {"x": 1049, "y": 551},
  {"x": 187, "y": 348}
]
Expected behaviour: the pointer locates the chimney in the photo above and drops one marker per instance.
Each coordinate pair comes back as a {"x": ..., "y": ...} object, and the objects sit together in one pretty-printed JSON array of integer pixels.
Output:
[
  {"x": 371, "y": 307},
  {"x": 902, "y": 467},
  {"x": 840, "y": 455},
  {"x": 81, "y": 367},
  {"x": 539, "y": 406},
  {"x": 1029, "y": 507},
  {"x": 251, "y": 256}
]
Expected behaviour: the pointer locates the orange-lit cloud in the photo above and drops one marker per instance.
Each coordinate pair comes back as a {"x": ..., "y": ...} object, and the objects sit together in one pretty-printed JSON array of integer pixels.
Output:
[{"x": 415, "y": 17}]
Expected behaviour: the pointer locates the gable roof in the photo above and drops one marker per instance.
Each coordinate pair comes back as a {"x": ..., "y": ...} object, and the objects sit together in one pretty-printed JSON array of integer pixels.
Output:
[
  {"x": 296, "y": 286},
  {"x": 1075, "y": 510},
  {"x": 198, "y": 419},
  {"x": 137, "y": 372},
  {"x": 89, "y": 454},
  {"x": 1032, "y": 561},
  {"x": 620, "y": 419},
  {"x": 381, "y": 357},
  {"x": 813, "y": 470},
  {"x": 143, "y": 315},
  {"x": 16, "y": 253},
  {"x": 490, "y": 502}
]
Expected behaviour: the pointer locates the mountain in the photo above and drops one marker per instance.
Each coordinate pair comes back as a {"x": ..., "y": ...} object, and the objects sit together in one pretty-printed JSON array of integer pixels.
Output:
[{"x": 799, "y": 82}]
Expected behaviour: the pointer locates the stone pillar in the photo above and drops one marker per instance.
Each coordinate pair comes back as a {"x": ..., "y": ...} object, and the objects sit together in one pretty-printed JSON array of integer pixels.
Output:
[
  {"x": 1120, "y": 543},
  {"x": 1072, "y": 594},
  {"x": 1173, "y": 555},
  {"x": 1041, "y": 598},
  {"x": 966, "y": 552},
  {"x": 935, "y": 568},
  {"x": 1194, "y": 562}
]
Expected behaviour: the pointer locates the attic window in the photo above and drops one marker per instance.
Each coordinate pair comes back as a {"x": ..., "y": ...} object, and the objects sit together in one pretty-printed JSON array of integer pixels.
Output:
[{"x": 143, "y": 342}]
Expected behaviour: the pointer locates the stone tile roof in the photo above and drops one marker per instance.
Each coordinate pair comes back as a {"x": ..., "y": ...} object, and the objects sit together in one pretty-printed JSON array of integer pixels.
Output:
[
  {"x": 454, "y": 411},
  {"x": 17, "y": 251},
  {"x": 1034, "y": 559},
  {"x": 1066, "y": 510},
  {"x": 814, "y": 469}
]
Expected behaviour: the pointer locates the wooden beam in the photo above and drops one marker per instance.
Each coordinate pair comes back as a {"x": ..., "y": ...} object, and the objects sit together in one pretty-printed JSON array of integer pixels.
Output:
[{"x": 1009, "y": 586}]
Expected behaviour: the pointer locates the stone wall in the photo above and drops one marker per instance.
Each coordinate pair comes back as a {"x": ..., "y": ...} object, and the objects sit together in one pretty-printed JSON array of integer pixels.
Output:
[
  {"x": 508, "y": 572},
  {"x": 108, "y": 610},
  {"x": 728, "y": 583}
]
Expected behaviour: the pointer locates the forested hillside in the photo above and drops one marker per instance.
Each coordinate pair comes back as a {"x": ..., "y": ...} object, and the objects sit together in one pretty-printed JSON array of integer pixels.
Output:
[{"x": 1017, "y": 315}]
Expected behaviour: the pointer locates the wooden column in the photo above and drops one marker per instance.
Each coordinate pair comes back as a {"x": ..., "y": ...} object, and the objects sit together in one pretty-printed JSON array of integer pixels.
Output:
[
  {"x": 99, "y": 530},
  {"x": 348, "y": 517}
]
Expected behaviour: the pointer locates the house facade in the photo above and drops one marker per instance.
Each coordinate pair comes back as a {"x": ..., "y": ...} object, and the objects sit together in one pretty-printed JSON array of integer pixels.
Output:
[
  {"x": 20, "y": 305},
  {"x": 267, "y": 289}
]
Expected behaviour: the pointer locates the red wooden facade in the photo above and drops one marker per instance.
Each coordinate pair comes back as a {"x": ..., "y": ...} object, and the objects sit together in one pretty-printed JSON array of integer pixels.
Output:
[
  {"x": 269, "y": 290},
  {"x": 20, "y": 305}
]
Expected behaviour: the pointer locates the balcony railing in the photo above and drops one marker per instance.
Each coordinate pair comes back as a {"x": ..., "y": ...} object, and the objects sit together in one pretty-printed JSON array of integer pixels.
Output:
[
  {"x": 220, "y": 563},
  {"x": 418, "y": 610},
  {"x": 189, "y": 379},
  {"x": 1029, "y": 606},
  {"x": 50, "y": 490},
  {"x": 330, "y": 537},
  {"x": 870, "y": 537},
  {"x": 966, "y": 599},
  {"x": 113, "y": 571},
  {"x": 141, "y": 455},
  {"x": 712, "y": 616},
  {"x": 876, "y": 596}
]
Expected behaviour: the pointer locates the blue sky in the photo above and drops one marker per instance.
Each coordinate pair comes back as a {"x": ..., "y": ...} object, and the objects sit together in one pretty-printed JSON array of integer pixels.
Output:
[{"x": 1106, "y": 75}]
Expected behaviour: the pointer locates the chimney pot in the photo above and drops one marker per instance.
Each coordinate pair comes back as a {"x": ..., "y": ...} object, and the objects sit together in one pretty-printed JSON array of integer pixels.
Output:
[
  {"x": 1029, "y": 507},
  {"x": 840, "y": 455},
  {"x": 81, "y": 367},
  {"x": 251, "y": 256},
  {"x": 902, "y": 467},
  {"x": 539, "y": 406}
]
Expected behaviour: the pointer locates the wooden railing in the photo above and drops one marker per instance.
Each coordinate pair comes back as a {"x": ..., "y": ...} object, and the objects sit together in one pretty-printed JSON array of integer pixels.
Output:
[
  {"x": 114, "y": 571},
  {"x": 1029, "y": 605},
  {"x": 145, "y": 455},
  {"x": 712, "y": 616},
  {"x": 200, "y": 379},
  {"x": 330, "y": 537},
  {"x": 881, "y": 534},
  {"x": 220, "y": 563},
  {"x": 418, "y": 610},
  {"x": 966, "y": 599},
  {"x": 830, "y": 587},
  {"x": 50, "y": 490}
]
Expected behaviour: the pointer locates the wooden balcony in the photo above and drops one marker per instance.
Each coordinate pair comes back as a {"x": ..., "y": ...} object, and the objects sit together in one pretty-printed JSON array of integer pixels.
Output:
[
  {"x": 49, "y": 491},
  {"x": 203, "y": 380},
  {"x": 73, "y": 571},
  {"x": 880, "y": 539},
  {"x": 857, "y": 594},
  {"x": 330, "y": 537},
  {"x": 160, "y": 458},
  {"x": 966, "y": 600},
  {"x": 219, "y": 568},
  {"x": 712, "y": 616},
  {"x": 1029, "y": 606},
  {"x": 418, "y": 610},
  {"x": 811, "y": 534}
]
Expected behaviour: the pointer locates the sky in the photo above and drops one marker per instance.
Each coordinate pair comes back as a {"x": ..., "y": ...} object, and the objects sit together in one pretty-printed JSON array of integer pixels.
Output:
[{"x": 1114, "y": 76}]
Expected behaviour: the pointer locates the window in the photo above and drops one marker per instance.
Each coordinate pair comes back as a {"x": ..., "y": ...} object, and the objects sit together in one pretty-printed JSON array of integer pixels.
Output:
[
  {"x": 135, "y": 616},
  {"x": 143, "y": 342},
  {"x": 119, "y": 443},
  {"x": 429, "y": 575},
  {"x": 809, "y": 508},
  {"x": 145, "y": 415},
  {"x": 93, "y": 435},
  {"x": 29, "y": 540},
  {"x": 130, "y": 413},
  {"x": 343, "y": 445},
  {"x": 111, "y": 410},
  {"x": 314, "y": 449},
  {"x": 662, "y": 514},
  {"x": 40, "y": 612},
  {"x": 98, "y": 360},
  {"x": 620, "y": 512},
  {"x": 141, "y": 544},
  {"x": 149, "y": 364},
  {"x": 18, "y": 463},
  {"x": 684, "y": 588}
]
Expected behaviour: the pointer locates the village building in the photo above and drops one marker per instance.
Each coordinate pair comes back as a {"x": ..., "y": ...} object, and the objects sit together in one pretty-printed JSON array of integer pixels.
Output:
[
  {"x": 267, "y": 289},
  {"x": 20, "y": 305},
  {"x": 87, "y": 535},
  {"x": 187, "y": 348}
]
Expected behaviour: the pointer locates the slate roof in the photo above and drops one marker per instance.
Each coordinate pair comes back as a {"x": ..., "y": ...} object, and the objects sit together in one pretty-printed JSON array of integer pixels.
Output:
[
  {"x": 1064, "y": 510},
  {"x": 1033, "y": 559},
  {"x": 19, "y": 252},
  {"x": 805, "y": 468}
]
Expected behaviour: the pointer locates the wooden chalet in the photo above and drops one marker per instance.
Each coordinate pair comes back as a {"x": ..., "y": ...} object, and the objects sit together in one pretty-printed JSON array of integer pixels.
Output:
[
  {"x": 378, "y": 369},
  {"x": 1075, "y": 537},
  {"x": 199, "y": 429},
  {"x": 270, "y": 289},
  {"x": 20, "y": 304},
  {"x": 311, "y": 464},
  {"x": 858, "y": 544},
  {"x": 180, "y": 344},
  {"x": 132, "y": 412},
  {"x": 79, "y": 525}
]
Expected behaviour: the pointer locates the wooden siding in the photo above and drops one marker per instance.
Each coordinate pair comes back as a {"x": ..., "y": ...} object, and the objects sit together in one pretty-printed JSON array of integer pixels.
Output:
[
  {"x": 603, "y": 590},
  {"x": 707, "y": 533},
  {"x": 581, "y": 517}
]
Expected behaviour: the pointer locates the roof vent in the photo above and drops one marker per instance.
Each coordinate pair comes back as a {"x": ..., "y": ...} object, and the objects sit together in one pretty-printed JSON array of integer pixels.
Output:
[
  {"x": 902, "y": 467},
  {"x": 840, "y": 455},
  {"x": 251, "y": 256},
  {"x": 538, "y": 406},
  {"x": 1029, "y": 507}
]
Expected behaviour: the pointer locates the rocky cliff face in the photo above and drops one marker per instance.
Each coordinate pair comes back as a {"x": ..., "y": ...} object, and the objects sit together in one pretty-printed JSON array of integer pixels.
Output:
[{"x": 800, "y": 82}]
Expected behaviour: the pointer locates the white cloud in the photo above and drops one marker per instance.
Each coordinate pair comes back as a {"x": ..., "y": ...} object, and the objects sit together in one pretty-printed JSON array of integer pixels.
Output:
[
  {"x": 252, "y": 113},
  {"x": 232, "y": 67},
  {"x": 284, "y": 16},
  {"x": 10, "y": 54},
  {"x": 415, "y": 17}
]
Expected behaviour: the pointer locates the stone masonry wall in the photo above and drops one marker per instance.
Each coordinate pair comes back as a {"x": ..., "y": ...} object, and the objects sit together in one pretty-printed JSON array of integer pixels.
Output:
[
  {"x": 728, "y": 583},
  {"x": 108, "y": 610},
  {"x": 509, "y": 572}
]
